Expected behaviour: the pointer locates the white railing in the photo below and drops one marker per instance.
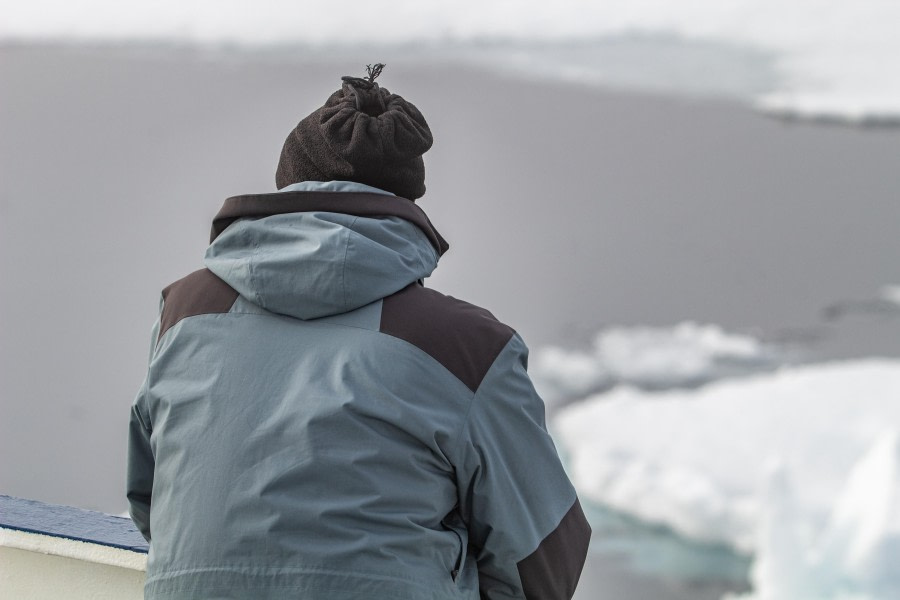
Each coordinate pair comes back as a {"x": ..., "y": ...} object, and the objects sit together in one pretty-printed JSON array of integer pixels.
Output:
[{"x": 56, "y": 552}]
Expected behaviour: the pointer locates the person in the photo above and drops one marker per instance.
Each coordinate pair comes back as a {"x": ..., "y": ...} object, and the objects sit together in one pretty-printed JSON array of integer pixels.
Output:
[{"x": 316, "y": 423}]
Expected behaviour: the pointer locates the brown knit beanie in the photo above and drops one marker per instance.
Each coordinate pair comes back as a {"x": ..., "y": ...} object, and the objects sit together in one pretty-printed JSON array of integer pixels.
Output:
[{"x": 365, "y": 134}]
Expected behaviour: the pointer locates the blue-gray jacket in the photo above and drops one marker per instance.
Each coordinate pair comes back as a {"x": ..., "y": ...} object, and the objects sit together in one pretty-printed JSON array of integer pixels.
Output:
[{"x": 317, "y": 424}]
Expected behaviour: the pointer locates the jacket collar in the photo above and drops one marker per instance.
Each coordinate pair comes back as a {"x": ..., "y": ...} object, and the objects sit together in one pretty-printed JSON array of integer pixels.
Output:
[
  {"x": 334, "y": 185},
  {"x": 359, "y": 204}
]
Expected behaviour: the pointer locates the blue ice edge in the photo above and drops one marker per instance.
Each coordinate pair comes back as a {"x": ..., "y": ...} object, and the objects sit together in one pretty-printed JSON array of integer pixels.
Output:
[
  {"x": 657, "y": 551},
  {"x": 71, "y": 523}
]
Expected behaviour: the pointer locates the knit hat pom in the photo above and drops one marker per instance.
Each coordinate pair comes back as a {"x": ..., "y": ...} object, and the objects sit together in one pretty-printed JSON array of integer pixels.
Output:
[
  {"x": 366, "y": 92},
  {"x": 363, "y": 133}
]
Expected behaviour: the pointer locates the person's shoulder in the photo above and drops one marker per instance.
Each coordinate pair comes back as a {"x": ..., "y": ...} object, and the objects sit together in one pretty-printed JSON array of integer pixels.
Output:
[
  {"x": 201, "y": 292},
  {"x": 463, "y": 337}
]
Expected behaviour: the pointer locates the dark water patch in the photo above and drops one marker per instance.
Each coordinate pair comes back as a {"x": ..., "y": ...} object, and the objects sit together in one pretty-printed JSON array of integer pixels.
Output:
[{"x": 630, "y": 559}]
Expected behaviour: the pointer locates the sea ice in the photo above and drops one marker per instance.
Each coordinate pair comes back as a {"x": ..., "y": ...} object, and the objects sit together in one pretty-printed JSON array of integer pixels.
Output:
[
  {"x": 800, "y": 468},
  {"x": 685, "y": 355},
  {"x": 832, "y": 60},
  {"x": 855, "y": 555}
]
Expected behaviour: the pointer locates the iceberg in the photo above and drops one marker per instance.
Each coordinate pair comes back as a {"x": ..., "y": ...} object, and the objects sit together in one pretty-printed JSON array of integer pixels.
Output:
[
  {"x": 798, "y": 468},
  {"x": 854, "y": 556}
]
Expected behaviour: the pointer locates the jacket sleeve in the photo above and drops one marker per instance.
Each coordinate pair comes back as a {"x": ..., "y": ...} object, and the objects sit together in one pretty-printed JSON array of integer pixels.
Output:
[
  {"x": 141, "y": 465},
  {"x": 523, "y": 517}
]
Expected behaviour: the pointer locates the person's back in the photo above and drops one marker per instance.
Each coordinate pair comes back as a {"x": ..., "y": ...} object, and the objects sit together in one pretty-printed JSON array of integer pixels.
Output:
[{"x": 317, "y": 424}]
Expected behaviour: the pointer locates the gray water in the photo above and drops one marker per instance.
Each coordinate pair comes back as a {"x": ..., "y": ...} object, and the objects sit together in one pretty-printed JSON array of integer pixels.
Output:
[
  {"x": 632, "y": 560},
  {"x": 567, "y": 209}
]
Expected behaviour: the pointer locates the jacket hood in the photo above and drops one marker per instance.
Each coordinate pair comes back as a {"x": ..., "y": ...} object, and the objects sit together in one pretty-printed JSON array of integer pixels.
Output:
[{"x": 314, "y": 254}]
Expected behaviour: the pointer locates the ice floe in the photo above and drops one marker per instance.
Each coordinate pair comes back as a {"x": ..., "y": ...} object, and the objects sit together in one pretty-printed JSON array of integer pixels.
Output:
[
  {"x": 654, "y": 358},
  {"x": 829, "y": 60},
  {"x": 799, "y": 467}
]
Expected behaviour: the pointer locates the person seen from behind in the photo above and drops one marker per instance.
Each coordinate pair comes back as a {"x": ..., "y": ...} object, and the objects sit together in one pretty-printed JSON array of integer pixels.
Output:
[{"x": 315, "y": 423}]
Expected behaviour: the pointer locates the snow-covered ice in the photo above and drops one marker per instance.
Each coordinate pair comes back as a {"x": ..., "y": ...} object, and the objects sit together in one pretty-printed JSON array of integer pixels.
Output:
[
  {"x": 829, "y": 60},
  {"x": 800, "y": 467},
  {"x": 654, "y": 358}
]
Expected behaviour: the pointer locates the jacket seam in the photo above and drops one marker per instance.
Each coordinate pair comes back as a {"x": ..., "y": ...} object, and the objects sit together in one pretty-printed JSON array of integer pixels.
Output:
[
  {"x": 423, "y": 238},
  {"x": 310, "y": 322},
  {"x": 348, "y": 229},
  {"x": 465, "y": 424},
  {"x": 430, "y": 357},
  {"x": 272, "y": 315},
  {"x": 167, "y": 575},
  {"x": 140, "y": 413},
  {"x": 250, "y": 271},
  {"x": 186, "y": 317},
  {"x": 156, "y": 338}
]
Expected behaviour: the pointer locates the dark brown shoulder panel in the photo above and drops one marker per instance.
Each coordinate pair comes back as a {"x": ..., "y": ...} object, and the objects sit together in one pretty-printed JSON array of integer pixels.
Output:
[
  {"x": 200, "y": 293},
  {"x": 464, "y": 338},
  {"x": 553, "y": 570}
]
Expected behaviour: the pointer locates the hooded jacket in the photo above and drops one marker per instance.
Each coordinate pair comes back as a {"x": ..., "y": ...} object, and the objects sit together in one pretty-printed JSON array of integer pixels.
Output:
[{"x": 315, "y": 423}]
